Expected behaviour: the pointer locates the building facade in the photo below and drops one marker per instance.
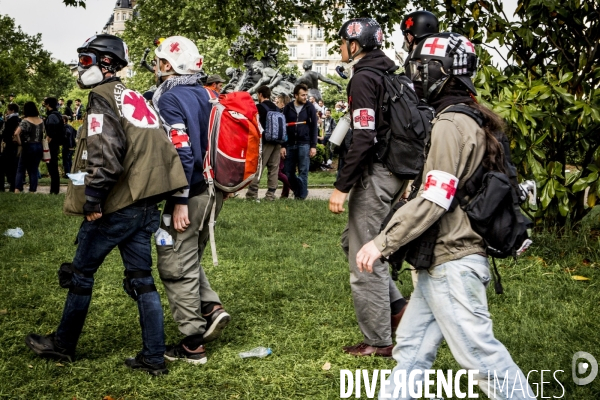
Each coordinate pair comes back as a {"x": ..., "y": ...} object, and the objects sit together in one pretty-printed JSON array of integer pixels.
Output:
[
  {"x": 115, "y": 25},
  {"x": 307, "y": 42}
]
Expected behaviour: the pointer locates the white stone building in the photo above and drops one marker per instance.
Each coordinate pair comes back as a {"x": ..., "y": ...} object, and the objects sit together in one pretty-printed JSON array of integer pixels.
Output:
[
  {"x": 115, "y": 25},
  {"x": 306, "y": 42}
]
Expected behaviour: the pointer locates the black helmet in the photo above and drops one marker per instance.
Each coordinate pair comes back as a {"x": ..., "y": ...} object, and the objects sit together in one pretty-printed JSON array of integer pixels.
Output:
[
  {"x": 111, "y": 45},
  {"x": 440, "y": 56},
  {"x": 366, "y": 31},
  {"x": 419, "y": 24}
]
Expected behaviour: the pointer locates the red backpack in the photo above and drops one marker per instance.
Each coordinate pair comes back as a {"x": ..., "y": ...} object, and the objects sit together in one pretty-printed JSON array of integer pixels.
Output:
[{"x": 233, "y": 157}]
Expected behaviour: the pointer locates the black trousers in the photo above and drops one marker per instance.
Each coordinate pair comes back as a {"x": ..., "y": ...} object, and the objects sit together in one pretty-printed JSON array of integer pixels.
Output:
[
  {"x": 53, "y": 169},
  {"x": 8, "y": 167}
]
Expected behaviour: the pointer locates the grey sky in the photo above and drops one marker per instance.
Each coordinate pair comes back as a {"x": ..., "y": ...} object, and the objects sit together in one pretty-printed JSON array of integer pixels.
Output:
[{"x": 64, "y": 28}]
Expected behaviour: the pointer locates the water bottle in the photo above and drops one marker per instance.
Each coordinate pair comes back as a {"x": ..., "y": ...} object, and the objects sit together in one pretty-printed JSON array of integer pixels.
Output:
[
  {"x": 260, "y": 352},
  {"x": 339, "y": 133},
  {"x": 163, "y": 238},
  {"x": 14, "y": 233}
]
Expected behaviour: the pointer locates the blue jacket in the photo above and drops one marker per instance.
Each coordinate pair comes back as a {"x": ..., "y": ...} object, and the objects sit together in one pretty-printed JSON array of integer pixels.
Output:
[
  {"x": 188, "y": 105},
  {"x": 305, "y": 133}
]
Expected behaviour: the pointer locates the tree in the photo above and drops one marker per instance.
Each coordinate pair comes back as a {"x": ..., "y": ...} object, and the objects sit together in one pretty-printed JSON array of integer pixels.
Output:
[
  {"x": 549, "y": 93},
  {"x": 26, "y": 67}
]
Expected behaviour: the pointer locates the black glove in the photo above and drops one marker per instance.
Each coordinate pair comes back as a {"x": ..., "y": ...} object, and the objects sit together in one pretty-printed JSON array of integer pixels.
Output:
[{"x": 91, "y": 207}]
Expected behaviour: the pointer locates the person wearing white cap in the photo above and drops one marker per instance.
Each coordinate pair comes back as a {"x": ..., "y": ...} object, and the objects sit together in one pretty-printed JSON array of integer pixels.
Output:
[{"x": 183, "y": 105}]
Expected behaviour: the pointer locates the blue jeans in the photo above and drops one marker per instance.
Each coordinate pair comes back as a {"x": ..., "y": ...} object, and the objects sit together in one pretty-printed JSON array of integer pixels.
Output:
[
  {"x": 297, "y": 156},
  {"x": 449, "y": 302},
  {"x": 31, "y": 155},
  {"x": 130, "y": 229}
]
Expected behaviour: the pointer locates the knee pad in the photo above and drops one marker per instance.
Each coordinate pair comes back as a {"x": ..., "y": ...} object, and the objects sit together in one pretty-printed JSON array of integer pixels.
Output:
[
  {"x": 134, "y": 292},
  {"x": 65, "y": 279}
]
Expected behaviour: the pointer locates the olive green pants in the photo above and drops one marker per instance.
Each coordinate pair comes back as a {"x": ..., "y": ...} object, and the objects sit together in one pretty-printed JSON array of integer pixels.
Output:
[{"x": 179, "y": 267}]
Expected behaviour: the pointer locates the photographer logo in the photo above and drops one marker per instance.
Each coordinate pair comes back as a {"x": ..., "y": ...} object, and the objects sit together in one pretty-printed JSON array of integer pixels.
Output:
[{"x": 581, "y": 368}]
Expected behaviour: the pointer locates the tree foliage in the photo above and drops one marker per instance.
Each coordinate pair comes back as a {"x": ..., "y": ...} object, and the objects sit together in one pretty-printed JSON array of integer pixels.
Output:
[
  {"x": 26, "y": 67},
  {"x": 549, "y": 93}
]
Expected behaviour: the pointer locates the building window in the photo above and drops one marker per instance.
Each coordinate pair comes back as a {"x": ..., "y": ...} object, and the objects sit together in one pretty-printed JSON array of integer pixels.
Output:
[
  {"x": 319, "y": 51},
  {"x": 321, "y": 68},
  {"x": 320, "y": 33},
  {"x": 292, "y": 51},
  {"x": 293, "y": 33}
]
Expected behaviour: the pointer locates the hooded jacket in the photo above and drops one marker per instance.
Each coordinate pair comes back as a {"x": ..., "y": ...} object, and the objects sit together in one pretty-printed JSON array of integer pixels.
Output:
[
  {"x": 303, "y": 133},
  {"x": 365, "y": 97}
]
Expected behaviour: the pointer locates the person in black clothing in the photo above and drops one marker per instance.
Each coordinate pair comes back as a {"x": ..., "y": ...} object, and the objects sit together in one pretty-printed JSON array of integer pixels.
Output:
[
  {"x": 55, "y": 133},
  {"x": 270, "y": 151},
  {"x": 68, "y": 145},
  {"x": 9, "y": 158},
  {"x": 373, "y": 189},
  {"x": 301, "y": 146},
  {"x": 68, "y": 111}
]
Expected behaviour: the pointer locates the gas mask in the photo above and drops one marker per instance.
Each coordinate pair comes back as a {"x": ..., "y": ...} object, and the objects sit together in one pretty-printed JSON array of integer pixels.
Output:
[{"x": 89, "y": 77}]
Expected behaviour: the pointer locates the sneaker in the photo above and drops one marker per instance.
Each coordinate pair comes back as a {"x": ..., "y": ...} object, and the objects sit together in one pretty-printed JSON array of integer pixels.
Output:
[
  {"x": 216, "y": 321},
  {"x": 46, "y": 346},
  {"x": 139, "y": 362},
  {"x": 182, "y": 352}
]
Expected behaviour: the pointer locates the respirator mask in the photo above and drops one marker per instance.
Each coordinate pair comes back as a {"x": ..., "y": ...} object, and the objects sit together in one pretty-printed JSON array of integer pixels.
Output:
[{"x": 89, "y": 71}]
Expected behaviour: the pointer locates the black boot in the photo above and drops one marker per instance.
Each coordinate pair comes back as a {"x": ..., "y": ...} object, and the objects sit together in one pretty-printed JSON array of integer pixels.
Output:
[
  {"x": 139, "y": 362},
  {"x": 47, "y": 346}
]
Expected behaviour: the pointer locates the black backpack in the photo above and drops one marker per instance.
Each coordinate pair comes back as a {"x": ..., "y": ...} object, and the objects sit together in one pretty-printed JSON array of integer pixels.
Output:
[
  {"x": 402, "y": 148},
  {"x": 495, "y": 198},
  {"x": 491, "y": 200}
]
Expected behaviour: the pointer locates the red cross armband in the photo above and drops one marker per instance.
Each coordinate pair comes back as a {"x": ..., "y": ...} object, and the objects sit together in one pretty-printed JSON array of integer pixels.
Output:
[
  {"x": 364, "y": 118},
  {"x": 440, "y": 188},
  {"x": 179, "y": 137}
]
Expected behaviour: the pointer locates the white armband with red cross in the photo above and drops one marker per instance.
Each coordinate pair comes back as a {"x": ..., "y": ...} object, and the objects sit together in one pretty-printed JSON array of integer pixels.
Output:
[
  {"x": 179, "y": 136},
  {"x": 440, "y": 188},
  {"x": 364, "y": 118}
]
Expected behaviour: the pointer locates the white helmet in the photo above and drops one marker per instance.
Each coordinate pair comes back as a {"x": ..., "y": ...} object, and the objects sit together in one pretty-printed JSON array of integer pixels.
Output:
[{"x": 182, "y": 54}]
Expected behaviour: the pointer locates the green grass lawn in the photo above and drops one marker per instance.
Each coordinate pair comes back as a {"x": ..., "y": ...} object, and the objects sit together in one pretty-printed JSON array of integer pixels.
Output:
[{"x": 283, "y": 278}]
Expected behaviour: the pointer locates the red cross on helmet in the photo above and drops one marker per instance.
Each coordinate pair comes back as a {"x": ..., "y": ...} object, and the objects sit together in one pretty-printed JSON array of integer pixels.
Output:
[
  {"x": 438, "y": 57},
  {"x": 181, "y": 53}
]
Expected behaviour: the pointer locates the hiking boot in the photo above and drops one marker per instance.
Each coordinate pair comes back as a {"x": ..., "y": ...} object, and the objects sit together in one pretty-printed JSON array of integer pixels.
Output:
[
  {"x": 363, "y": 349},
  {"x": 139, "y": 362},
  {"x": 216, "y": 321},
  {"x": 182, "y": 352},
  {"x": 46, "y": 346}
]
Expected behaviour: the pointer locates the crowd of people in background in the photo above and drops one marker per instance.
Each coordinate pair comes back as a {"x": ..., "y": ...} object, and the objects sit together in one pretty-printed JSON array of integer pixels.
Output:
[
  {"x": 62, "y": 118},
  {"x": 24, "y": 129}
]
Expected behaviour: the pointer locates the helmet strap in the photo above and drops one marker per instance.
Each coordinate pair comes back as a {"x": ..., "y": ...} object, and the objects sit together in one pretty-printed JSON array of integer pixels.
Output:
[{"x": 358, "y": 51}]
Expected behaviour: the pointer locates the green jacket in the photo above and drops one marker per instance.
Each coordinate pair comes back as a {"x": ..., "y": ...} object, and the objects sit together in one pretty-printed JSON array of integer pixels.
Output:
[{"x": 124, "y": 150}]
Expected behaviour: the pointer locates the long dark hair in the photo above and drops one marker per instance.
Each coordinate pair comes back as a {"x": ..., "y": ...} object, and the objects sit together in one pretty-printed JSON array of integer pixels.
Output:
[{"x": 493, "y": 125}]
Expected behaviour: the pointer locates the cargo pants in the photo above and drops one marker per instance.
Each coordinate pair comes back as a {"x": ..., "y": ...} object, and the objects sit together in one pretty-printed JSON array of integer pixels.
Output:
[
  {"x": 180, "y": 269},
  {"x": 369, "y": 202}
]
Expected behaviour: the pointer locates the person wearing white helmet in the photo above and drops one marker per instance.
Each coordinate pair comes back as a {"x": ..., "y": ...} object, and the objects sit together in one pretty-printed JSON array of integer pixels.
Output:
[{"x": 183, "y": 105}]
